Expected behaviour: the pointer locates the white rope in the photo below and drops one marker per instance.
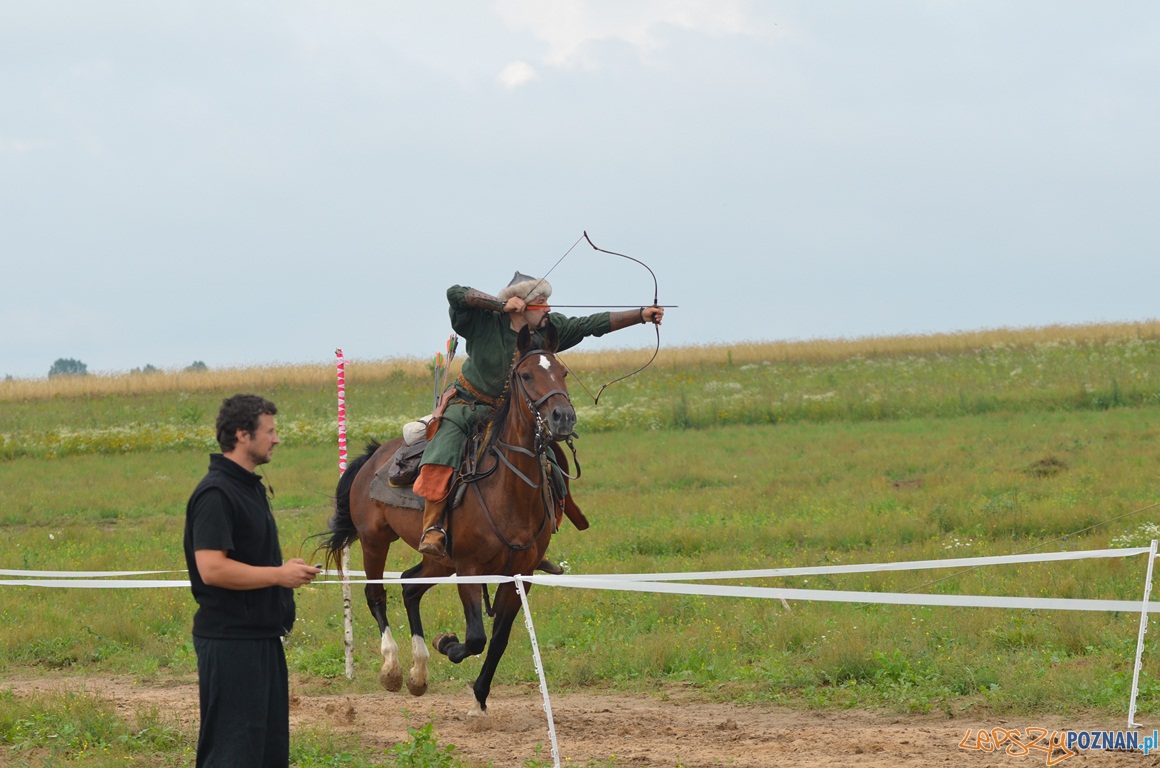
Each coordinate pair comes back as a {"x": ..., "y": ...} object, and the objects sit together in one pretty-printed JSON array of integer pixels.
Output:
[
  {"x": 678, "y": 583},
  {"x": 762, "y": 573}
]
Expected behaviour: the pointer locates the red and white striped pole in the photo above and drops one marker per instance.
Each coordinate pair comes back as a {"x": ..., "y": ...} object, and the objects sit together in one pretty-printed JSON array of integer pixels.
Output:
[
  {"x": 347, "y": 621},
  {"x": 341, "y": 412}
]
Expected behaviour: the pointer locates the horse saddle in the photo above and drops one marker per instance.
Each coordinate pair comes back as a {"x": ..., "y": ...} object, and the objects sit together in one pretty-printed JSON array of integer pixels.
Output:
[
  {"x": 403, "y": 496},
  {"x": 393, "y": 481}
]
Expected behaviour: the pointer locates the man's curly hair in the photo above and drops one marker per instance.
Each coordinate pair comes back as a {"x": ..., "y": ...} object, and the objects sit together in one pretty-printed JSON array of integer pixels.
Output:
[{"x": 240, "y": 412}]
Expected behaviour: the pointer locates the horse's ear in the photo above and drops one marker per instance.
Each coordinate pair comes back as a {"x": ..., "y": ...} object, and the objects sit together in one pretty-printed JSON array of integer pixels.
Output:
[
  {"x": 523, "y": 340},
  {"x": 551, "y": 337}
]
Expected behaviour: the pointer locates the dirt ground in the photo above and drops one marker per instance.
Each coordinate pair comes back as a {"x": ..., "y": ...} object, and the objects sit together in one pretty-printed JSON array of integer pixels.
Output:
[{"x": 664, "y": 730}]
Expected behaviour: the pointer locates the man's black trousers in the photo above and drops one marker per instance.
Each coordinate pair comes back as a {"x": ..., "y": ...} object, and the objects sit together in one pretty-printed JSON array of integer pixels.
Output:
[{"x": 245, "y": 704}]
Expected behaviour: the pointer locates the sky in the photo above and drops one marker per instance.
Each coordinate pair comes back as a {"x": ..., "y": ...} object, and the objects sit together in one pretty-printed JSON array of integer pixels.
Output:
[{"x": 253, "y": 183}]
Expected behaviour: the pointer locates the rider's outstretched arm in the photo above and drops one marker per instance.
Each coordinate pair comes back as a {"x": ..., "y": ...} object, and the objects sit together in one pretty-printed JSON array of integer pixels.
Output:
[{"x": 629, "y": 317}]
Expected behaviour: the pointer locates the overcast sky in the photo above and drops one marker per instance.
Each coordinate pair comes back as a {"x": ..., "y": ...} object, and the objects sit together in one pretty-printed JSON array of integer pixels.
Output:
[{"x": 256, "y": 182}]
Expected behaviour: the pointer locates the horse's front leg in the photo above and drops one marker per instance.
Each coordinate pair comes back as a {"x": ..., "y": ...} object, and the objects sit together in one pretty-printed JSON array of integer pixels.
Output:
[
  {"x": 507, "y": 606},
  {"x": 471, "y": 597}
]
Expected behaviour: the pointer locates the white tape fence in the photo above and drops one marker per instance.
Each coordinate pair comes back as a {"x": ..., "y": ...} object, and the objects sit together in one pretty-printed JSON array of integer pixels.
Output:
[{"x": 691, "y": 583}]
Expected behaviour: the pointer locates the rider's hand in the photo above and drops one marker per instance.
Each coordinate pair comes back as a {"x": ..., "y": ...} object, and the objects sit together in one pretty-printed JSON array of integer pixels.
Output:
[
  {"x": 514, "y": 305},
  {"x": 652, "y": 314}
]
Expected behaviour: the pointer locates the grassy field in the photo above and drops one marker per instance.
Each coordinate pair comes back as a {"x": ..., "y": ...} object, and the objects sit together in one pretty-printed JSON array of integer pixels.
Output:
[{"x": 752, "y": 456}]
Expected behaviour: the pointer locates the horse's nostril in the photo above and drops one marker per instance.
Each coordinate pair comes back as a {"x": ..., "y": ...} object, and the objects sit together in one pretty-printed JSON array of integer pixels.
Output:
[{"x": 563, "y": 418}]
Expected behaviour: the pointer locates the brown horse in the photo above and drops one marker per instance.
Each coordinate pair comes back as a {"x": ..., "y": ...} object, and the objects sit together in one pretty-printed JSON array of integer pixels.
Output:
[{"x": 502, "y": 527}]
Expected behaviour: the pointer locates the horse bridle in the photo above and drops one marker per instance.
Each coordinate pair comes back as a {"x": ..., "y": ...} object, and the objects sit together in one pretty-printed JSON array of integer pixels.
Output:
[
  {"x": 534, "y": 406},
  {"x": 543, "y": 434},
  {"x": 539, "y": 446}
]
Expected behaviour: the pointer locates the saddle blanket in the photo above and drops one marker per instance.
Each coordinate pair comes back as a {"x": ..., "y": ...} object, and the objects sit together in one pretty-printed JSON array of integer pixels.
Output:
[{"x": 403, "y": 496}]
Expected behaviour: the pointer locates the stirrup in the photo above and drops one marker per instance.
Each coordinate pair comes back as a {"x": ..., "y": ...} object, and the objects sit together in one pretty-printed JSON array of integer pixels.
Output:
[{"x": 435, "y": 550}]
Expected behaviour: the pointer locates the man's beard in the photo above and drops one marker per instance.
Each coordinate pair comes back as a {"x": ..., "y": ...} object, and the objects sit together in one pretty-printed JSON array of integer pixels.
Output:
[{"x": 260, "y": 458}]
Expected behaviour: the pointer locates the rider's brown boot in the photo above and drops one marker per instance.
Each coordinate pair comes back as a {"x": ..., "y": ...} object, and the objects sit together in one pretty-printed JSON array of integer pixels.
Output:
[
  {"x": 433, "y": 543},
  {"x": 434, "y": 539}
]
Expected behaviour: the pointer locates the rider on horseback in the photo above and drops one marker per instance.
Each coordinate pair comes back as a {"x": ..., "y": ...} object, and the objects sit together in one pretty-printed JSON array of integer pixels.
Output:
[{"x": 490, "y": 326}]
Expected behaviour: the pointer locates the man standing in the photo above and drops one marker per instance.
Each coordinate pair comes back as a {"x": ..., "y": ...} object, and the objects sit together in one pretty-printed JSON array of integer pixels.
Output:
[{"x": 244, "y": 594}]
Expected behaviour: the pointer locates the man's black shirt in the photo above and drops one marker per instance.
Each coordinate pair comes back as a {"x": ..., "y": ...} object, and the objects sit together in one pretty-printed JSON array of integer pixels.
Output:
[{"x": 229, "y": 511}]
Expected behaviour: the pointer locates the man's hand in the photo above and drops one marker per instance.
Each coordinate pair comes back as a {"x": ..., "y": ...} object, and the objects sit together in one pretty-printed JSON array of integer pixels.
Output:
[
  {"x": 297, "y": 573},
  {"x": 218, "y": 570},
  {"x": 514, "y": 305},
  {"x": 652, "y": 315}
]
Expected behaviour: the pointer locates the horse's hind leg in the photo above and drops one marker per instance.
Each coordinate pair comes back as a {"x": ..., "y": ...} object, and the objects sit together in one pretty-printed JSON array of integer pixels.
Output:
[
  {"x": 390, "y": 674},
  {"x": 412, "y": 597}
]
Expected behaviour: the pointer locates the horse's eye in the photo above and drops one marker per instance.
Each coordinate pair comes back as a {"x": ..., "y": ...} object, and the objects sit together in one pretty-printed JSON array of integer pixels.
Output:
[
  {"x": 525, "y": 376},
  {"x": 565, "y": 373}
]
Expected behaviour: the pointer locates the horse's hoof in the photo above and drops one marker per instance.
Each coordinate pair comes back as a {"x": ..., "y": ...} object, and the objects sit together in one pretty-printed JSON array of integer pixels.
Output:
[
  {"x": 477, "y": 711},
  {"x": 439, "y": 641},
  {"x": 391, "y": 680},
  {"x": 416, "y": 690},
  {"x": 548, "y": 567}
]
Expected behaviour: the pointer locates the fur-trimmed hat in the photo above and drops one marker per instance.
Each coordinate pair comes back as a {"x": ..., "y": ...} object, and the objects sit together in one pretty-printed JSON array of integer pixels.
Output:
[{"x": 523, "y": 286}]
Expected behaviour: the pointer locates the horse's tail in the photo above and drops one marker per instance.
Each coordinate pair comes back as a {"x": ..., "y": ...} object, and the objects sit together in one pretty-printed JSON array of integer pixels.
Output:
[{"x": 342, "y": 530}]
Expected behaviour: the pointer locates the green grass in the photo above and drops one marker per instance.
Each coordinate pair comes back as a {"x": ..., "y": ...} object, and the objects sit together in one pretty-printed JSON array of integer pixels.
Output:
[
  {"x": 1012, "y": 373},
  {"x": 702, "y": 467},
  {"x": 82, "y": 729}
]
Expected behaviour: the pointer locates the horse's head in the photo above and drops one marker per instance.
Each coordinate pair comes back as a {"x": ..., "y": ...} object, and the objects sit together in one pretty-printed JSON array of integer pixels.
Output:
[{"x": 539, "y": 377}]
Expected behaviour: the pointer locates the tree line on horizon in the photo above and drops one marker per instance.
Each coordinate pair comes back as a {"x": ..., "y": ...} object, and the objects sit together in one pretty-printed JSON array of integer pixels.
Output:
[{"x": 68, "y": 366}]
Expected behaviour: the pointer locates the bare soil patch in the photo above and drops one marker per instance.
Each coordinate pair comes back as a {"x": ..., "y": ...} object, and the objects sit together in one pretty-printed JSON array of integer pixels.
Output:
[{"x": 666, "y": 730}]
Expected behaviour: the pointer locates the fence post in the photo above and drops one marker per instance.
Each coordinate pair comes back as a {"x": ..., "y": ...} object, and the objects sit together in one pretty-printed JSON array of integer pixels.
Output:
[
  {"x": 540, "y": 671},
  {"x": 1140, "y": 638},
  {"x": 347, "y": 622}
]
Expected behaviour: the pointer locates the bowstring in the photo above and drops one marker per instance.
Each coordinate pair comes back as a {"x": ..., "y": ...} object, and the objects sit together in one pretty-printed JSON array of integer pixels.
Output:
[
  {"x": 656, "y": 328},
  {"x": 540, "y": 282}
]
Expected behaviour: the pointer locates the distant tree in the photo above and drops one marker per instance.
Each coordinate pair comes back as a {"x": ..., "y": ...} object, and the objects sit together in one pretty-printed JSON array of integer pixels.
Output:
[
  {"x": 67, "y": 366},
  {"x": 197, "y": 367},
  {"x": 149, "y": 368}
]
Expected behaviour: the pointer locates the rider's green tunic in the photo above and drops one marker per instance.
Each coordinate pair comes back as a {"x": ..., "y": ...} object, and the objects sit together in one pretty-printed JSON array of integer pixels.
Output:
[{"x": 491, "y": 347}]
